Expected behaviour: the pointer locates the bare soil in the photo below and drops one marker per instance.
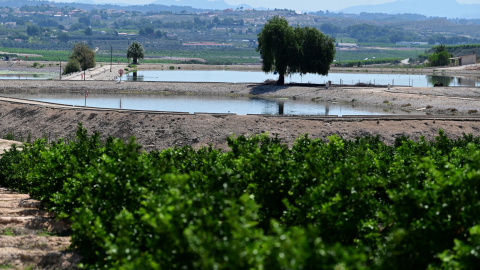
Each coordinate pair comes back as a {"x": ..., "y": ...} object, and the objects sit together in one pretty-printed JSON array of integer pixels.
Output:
[{"x": 30, "y": 238}]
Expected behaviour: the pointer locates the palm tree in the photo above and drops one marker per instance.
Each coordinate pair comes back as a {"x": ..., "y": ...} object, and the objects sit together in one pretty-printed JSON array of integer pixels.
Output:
[{"x": 135, "y": 51}]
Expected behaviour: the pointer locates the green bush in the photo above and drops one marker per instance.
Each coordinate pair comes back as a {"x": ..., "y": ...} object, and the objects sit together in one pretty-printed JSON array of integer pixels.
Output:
[
  {"x": 72, "y": 66},
  {"x": 439, "y": 59},
  {"x": 261, "y": 205}
]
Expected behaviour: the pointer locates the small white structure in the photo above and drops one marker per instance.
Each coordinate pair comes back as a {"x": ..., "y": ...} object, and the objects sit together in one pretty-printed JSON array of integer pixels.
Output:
[
  {"x": 470, "y": 59},
  {"x": 464, "y": 60},
  {"x": 347, "y": 45}
]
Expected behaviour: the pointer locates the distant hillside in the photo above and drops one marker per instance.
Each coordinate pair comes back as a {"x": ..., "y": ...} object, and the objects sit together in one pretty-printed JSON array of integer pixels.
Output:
[
  {"x": 377, "y": 17},
  {"x": 462, "y": 49},
  {"x": 201, "y": 4},
  {"x": 175, "y": 6},
  {"x": 87, "y": 6},
  {"x": 433, "y": 8}
]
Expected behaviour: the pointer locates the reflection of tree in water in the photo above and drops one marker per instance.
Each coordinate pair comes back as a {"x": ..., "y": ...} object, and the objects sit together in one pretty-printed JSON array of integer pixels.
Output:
[
  {"x": 136, "y": 78},
  {"x": 278, "y": 107},
  {"x": 445, "y": 80},
  {"x": 469, "y": 81},
  {"x": 269, "y": 106},
  {"x": 281, "y": 104}
]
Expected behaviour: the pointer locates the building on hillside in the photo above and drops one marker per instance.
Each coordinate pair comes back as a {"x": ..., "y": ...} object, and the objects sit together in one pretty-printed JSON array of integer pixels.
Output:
[
  {"x": 207, "y": 44},
  {"x": 410, "y": 43},
  {"x": 10, "y": 24},
  {"x": 347, "y": 45}
]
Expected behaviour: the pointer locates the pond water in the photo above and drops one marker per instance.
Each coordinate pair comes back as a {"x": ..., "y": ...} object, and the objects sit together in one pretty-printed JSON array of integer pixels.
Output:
[
  {"x": 335, "y": 78},
  {"x": 203, "y": 104},
  {"x": 26, "y": 76}
]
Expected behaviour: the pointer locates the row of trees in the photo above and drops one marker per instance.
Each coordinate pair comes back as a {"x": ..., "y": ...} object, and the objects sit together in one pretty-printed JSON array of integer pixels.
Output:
[
  {"x": 285, "y": 49},
  {"x": 83, "y": 57}
]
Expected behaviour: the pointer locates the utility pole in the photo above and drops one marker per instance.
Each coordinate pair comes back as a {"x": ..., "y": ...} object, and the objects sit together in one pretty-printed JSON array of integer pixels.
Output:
[
  {"x": 111, "y": 49},
  {"x": 60, "y": 73},
  {"x": 84, "y": 66}
]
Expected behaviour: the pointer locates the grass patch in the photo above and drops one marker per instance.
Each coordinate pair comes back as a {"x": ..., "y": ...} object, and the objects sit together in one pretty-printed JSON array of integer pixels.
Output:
[
  {"x": 46, "y": 233},
  {"x": 8, "y": 232}
]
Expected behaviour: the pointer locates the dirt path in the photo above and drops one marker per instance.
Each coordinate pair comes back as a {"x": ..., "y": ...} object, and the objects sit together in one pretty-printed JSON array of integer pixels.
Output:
[
  {"x": 6, "y": 144},
  {"x": 30, "y": 238}
]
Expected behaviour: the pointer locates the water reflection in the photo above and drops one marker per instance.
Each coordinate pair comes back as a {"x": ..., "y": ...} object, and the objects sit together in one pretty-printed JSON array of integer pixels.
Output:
[
  {"x": 203, "y": 104},
  {"x": 469, "y": 81},
  {"x": 335, "y": 78},
  {"x": 443, "y": 80},
  {"x": 281, "y": 106},
  {"x": 136, "y": 78},
  {"x": 26, "y": 76}
]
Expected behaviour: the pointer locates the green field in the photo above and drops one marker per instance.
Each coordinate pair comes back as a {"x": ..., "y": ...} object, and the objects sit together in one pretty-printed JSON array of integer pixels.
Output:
[
  {"x": 213, "y": 55},
  {"x": 362, "y": 54}
]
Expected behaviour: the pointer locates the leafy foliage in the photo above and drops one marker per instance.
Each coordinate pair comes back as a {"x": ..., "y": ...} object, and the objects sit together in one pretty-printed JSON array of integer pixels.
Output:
[
  {"x": 72, "y": 66},
  {"x": 300, "y": 50},
  {"x": 314, "y": 51},
  {"x": 439, "y": 59},
  {"x": 275, "y": 43},
  {"x": 82, "y": 54},
  {"x": 135, "y": 51},
  {"x": 261, "y": 205}
]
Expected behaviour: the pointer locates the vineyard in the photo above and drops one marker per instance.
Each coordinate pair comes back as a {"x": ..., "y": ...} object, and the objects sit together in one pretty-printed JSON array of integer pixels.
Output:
[{"x": 334, "y": 204}]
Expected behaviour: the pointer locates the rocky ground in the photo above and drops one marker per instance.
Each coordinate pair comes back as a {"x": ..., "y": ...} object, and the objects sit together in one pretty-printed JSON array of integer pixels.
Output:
[{"x": 30, "y": 238}]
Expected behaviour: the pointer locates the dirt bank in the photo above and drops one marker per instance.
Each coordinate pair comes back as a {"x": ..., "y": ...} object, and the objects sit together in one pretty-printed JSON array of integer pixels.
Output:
[
  {"x": 30, "y": 238},
  {"x": 163, "y": 130},
  {"x": 160, "y": 131}
]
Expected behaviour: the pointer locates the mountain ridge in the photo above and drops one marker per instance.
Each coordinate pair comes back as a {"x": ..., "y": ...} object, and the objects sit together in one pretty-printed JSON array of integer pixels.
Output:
[
  {"x": 201, "y": 4},
  {"x": 432, "y": 8}
]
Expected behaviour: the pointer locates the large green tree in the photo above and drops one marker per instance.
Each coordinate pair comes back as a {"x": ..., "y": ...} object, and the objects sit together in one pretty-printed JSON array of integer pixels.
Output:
[
  {"x": 81, "y": 56},
  {"x": 314, "y": 52},
  {"x": 33, "y": 30},
  {"x": 275, "y": 43},
  {"x": 294, "y": 50},
  {"x": 135, "y": 51},
  {"x": 63, "y": 37}
]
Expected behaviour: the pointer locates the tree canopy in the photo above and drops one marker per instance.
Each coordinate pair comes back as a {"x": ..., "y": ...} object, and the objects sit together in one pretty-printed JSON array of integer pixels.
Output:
[
  {"x": 33, "y": 30},
  {"x": 88, "y": 31},
  {"x": 82, "y": 57},
  {"x": 135, "y": 51},
  {"x": 63, "y": 37},
  {"x": 441, "y": 56},
  {"x": 294, "y": 50}
]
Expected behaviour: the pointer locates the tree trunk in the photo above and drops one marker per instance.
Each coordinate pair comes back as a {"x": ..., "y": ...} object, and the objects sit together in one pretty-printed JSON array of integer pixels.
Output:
[
  {"x": 134, "y": 61},
  {"x": 281, "y": 79}
]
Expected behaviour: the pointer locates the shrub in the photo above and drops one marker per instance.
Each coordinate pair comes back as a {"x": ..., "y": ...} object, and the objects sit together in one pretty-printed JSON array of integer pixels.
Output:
[
  {"x": 262, "y": 204},
  {"x": 72, "y": 66}
]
